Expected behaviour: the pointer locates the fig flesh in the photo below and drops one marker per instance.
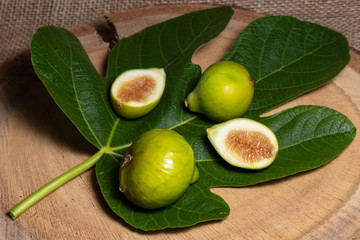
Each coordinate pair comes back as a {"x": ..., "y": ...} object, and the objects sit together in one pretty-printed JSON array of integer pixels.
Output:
[
  {"x": 225, "y": 91},
  {"x": 136, "y": 92},
  {"x": 244, "y": 143},
  {"x": 157, "y": 169}
]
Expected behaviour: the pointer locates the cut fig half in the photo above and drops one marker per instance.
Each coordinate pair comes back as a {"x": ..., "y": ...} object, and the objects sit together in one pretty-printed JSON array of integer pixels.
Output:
[
  {"x": 136, "y": 92},
  {"x": 244, "y": 143}
]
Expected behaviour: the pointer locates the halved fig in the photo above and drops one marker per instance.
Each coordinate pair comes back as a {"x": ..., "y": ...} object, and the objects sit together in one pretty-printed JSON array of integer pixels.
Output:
[
  {"x": 244, "y": 143},
  {"x": 136, "y": 92}
]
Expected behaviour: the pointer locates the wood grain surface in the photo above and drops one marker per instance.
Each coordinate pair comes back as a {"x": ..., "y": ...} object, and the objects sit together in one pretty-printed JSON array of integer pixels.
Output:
[{"x": 38, "y": 143}]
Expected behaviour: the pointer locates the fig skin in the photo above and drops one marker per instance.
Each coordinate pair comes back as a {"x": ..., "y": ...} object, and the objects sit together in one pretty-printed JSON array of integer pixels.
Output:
[
  {"x": 224, "y": 91},
  {"x": 157, "y": 169},
  {"x": 130, "y": 110}
]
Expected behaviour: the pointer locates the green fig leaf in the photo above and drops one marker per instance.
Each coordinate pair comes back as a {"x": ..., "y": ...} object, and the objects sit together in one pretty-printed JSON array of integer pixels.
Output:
[
  {"x": 287, "y": 57},
  {"x": 308, "y": 136},
  {"x": 80, "y": 91},
  {"x": 65, "y": 69}
]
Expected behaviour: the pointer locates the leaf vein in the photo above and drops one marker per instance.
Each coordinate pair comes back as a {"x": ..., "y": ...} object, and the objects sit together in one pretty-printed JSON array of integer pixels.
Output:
[
  {"x": 77, "y": 97},
  {"x": 296, "y": 60}
]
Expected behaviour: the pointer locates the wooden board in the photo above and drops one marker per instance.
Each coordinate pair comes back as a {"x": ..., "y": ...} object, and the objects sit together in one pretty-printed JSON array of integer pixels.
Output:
[{"x": 38, "y": 143}]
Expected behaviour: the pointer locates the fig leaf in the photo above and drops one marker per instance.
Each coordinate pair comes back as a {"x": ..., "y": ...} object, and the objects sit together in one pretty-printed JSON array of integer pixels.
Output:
[
  {"x": 291, "y": 57},
  {"x": 285, "y": 56}
]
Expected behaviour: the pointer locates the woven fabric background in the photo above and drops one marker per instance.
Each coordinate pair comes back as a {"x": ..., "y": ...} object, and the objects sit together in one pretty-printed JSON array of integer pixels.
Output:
[{"x": 19, "y": 19}]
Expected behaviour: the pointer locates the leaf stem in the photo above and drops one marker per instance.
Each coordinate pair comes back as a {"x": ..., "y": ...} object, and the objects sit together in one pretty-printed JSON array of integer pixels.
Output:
[{"x": 54, "y": 184}]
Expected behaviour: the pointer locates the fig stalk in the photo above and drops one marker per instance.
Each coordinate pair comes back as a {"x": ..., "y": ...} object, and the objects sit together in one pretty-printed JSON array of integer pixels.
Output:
[
  {"x": 191, "y": 102},
  {"x": 54, "y": 184}
]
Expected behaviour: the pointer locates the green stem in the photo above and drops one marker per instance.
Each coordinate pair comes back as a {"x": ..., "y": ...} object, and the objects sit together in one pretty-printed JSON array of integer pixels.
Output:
[{"x": 54, "y": 184}]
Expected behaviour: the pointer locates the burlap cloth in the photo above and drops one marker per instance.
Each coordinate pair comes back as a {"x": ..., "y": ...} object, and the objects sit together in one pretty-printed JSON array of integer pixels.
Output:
[{"x": 19, "y": 19}]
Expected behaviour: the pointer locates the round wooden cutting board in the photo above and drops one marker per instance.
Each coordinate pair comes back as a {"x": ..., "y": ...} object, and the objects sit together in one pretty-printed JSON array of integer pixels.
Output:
[{"x": 38, "y": 143}]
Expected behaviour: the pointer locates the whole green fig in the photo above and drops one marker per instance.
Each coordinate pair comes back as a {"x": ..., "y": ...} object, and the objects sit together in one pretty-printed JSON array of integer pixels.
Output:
[
  {"x": 224, "y": 91},
  {"x": 157, "y": 169}
]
